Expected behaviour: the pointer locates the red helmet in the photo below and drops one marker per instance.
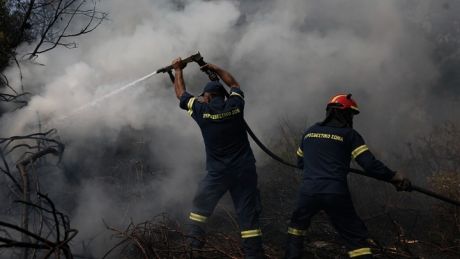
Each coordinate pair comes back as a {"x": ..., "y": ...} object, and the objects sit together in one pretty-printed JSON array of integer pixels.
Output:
[{"x": 343, "y": 102}]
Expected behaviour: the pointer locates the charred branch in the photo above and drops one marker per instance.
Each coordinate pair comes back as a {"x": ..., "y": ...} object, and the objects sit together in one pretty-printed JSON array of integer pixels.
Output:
[
  {"x": 12, "y": 143},
  {"x": 27, "y": 145},
  {"x": 164, "y": 238},
  {"x": 60, "y": 245},
  {"x": 22, "y": 168},
  {"x": 31, "y": 148}
]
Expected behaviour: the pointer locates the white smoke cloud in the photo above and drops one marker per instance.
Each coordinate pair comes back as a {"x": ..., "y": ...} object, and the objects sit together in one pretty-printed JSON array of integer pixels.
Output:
[{"x": 292, "y": 55}]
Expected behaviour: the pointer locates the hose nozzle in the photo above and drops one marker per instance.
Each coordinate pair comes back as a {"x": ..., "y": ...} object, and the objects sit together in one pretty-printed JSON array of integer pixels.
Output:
[{"x": 193, "y": 58}]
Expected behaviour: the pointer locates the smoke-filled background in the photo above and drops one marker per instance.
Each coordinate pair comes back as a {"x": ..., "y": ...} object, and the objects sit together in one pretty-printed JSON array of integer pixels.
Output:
[{"x": 290, "y": 57}]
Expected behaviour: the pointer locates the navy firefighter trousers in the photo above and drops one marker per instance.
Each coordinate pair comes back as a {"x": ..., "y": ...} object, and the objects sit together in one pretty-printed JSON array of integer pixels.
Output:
[
  {"x": 341, "y": 212},
  {"x": 241, "y": 182}
]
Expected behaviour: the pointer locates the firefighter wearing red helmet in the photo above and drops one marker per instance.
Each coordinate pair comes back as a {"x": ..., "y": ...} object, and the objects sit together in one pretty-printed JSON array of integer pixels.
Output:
[
  {"x": 324, "y": 154},
  {"x": 343, "y": 102}
]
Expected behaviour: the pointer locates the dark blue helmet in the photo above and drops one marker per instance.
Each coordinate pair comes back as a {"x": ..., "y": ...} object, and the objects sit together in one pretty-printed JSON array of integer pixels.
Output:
[{"x": 214, "y": 87}]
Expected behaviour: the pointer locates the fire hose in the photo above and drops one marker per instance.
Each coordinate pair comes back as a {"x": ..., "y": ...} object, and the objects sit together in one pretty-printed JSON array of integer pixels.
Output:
[{"x": 213, "y": 77}]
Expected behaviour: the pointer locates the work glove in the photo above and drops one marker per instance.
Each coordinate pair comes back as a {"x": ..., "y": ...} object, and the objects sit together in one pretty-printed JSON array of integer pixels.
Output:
[{"x": 401, "y": 183}]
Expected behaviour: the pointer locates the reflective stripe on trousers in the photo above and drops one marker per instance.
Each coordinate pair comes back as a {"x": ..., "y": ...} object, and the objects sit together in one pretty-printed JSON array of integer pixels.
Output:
[
  {"x": 251, "y": 233},
  {"x": 359, "y": 252},
  {"x": 297, "y": 232},
  {"x": 197, "y": 217}
]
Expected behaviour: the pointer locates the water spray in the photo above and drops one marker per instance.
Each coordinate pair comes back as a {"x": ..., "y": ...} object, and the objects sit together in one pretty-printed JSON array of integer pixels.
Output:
[
  {"x": 104, "y": 97},
  {"x": 168, "y": 69}
]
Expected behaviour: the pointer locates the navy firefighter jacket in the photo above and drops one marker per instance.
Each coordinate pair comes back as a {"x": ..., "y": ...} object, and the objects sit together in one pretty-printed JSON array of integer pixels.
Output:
[
  {"x": 325, "y": 153},
  {"x": 223, "y": 129}
]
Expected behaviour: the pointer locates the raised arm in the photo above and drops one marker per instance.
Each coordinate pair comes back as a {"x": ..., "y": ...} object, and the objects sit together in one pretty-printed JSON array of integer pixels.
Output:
[
  {"x": 179, "y": 84},
  {"x": 223, "y": 74}
]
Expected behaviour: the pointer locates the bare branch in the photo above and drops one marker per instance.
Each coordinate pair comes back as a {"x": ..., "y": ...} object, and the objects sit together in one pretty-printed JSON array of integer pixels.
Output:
[
  {"x": 43, "y": 243},
  {"x": 53, "y": 34}
]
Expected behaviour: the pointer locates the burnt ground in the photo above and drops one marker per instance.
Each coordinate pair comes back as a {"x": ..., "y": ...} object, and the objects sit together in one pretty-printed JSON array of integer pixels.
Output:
[{"x": 401, "y": 225}]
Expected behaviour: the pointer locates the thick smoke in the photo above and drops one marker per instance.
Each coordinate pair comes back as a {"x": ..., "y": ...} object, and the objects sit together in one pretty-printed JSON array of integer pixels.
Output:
[{"x": 289, "y": 57}]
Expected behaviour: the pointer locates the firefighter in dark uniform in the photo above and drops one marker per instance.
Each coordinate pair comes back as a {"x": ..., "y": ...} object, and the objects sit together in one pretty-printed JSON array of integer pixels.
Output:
[
  {"x": 229, "y": 159},
  {"x": 325, "y": 152}
]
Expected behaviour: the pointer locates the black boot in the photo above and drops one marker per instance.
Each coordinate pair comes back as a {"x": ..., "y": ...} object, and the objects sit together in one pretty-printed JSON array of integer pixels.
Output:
[
  {"x": 294, "y": 247},
  {"x": 252, "y": 248},
  {"x": 196, "y": 236}
]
